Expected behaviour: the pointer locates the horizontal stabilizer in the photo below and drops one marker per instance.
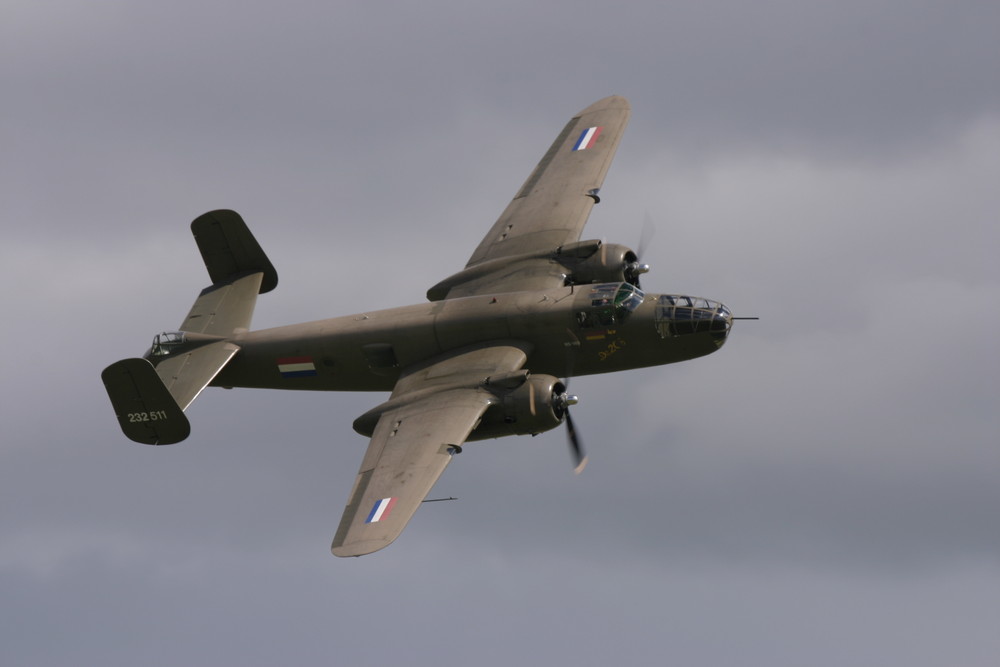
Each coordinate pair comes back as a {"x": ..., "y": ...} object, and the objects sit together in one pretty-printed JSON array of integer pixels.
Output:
[
  {"x": 185, "y": 374},
  {"x": 222, "y": 309},
  {"x": 145, "y": 409},
  {"x": 230, "y": 250}
]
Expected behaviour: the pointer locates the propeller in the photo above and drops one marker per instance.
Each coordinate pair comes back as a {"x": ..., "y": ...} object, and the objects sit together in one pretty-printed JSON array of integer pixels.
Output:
[
  {"x": 634, "y": 269},
  {"x": 562, "y": 403},
  {"x": 564, "y": 400},
  {"x": 575, "y": 446},
  {"x": 646, "y": 235}
]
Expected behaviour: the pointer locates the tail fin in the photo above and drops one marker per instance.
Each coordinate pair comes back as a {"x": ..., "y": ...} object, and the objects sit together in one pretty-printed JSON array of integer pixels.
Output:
[
  {"x": 149, "y": 395},
  {"x": 146, "y": 411},
  {"x": 230, "y": 250}
]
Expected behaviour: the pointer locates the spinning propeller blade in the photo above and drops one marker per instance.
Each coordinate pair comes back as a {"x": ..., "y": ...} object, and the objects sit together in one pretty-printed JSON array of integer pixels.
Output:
[
  {"x": 634, "y": 269},
  {"x": 575, "y": 446},
  {"x": 565, "y": 400}
]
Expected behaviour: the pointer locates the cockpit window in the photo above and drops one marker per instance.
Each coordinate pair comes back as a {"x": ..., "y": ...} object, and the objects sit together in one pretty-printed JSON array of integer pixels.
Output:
[
  {"x": 602, "y": 295},
  {"x": 610, "y": 303},
  {"x": 628, "y": 297}
]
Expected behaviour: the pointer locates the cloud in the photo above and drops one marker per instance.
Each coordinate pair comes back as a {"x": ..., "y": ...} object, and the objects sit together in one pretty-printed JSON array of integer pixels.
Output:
[{"x": 818, "y": 491}]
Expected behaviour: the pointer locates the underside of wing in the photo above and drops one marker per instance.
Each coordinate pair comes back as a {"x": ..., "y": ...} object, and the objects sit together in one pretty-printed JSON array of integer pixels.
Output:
[
  {"x": 549, "y": 211},
  {"x": 553, "y": 205},
  {"x": 410, "y": 448},
  {"x": 426, "y": 420}
]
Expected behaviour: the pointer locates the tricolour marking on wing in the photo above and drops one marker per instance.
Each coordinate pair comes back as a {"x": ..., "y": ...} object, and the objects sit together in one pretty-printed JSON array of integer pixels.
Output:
[
  {"x": 296, "y": 367},
  {"x": 587, "y": 138},
  {"x": 381, "y": 510}
]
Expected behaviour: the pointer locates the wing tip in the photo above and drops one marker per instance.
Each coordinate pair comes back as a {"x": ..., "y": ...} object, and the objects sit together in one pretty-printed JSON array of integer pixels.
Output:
[
  {"x": 354, "y": 549},
  {"x": 610, "y": 102}
]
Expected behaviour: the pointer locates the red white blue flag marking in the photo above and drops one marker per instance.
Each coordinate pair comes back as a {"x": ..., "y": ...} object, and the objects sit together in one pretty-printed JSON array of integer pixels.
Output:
[
  {"x": 587, "y": 138},
  {"x": 381, "y": 510},
  {"x": 296, "y": 367}
]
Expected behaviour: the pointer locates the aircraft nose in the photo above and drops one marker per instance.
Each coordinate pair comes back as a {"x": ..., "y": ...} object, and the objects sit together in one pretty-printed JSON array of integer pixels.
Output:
[
  {"x": 678, "y": 315},
  {"x": 722, "y": 323}
]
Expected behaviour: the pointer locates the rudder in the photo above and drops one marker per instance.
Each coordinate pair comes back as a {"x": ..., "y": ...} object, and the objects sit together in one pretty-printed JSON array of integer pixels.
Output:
[
  {"x": 230, "y": 250},
  {"x": 146, "y": 411}
]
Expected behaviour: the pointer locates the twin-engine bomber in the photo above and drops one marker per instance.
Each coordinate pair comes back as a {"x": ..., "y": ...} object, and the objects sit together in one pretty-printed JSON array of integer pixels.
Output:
[{"x": 487, "y": 356}]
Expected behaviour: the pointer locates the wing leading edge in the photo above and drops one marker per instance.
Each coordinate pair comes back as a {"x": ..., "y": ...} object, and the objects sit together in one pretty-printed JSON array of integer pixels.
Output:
[
  {"x": 553, "y": 205},
  {"x": 430, "y": 413},
  {"x": 549, "y": 211}
]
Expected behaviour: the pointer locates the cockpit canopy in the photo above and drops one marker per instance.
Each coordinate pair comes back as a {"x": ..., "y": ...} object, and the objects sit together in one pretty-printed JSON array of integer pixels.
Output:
[
  {"x": 607, "y": 304},
  {"x": 165, "y": 343},
  {"x": 678, "y": 315},
  {"x": 175, "y": 342}
]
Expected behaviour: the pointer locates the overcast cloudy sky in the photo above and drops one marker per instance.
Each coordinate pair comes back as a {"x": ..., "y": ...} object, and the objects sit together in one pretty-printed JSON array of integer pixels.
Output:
[{"x": 821, "y": 492}]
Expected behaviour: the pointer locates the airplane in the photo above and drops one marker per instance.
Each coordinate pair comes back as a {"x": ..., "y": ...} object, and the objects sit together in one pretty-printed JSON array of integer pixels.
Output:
[{"x": 487, "y": 355}]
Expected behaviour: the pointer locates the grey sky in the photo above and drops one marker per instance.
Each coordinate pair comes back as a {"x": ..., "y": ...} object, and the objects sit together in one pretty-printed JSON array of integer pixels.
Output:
[{"x": 822, "y": 491}]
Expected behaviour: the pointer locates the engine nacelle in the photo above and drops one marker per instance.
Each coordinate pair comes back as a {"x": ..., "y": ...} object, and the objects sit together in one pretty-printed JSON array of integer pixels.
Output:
[
  {"x": 535, "y": 406},
  {"x": 596, "y": 262}
]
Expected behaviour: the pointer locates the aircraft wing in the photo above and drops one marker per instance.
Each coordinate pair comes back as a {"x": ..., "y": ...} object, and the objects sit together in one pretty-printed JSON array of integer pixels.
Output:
[
  {"x": 550, "y": 209},
  {"x": 431, "y": 412}
]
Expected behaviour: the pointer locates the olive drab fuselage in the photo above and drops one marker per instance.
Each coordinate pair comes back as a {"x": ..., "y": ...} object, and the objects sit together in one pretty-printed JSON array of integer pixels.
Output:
[{"x": 575, "y": 330}]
